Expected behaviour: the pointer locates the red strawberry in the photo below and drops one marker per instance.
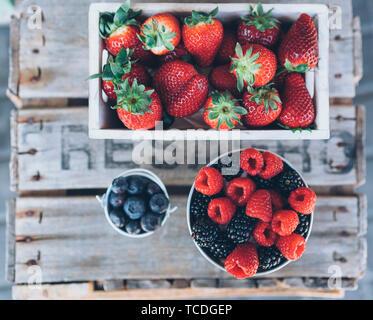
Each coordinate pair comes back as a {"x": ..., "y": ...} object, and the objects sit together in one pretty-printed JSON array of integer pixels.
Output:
[
  {"x": 251, "y": 161},
  {"x": 263, "y": 234},
  {"x": 160, "y": 33},
  {"x": 298, "y": 110},
  {"x": 284, "y": 222},
  {"x": 277, "y": 200},
  {"x": 137, "y": 72},
  {"x": 260, "y": 206},
  {"x": 227, "y": 47},
  {"x": 299, "y": 50},
  {"x": 259, "y": 28},
  {"x": 239, "y": 190},
  {"x": 279, "y": 79},
  {"x": 120, "y": 30},
  {"x": 202, "y": 36},
  {"x": 292, "y": 246},
  {"x": 243, "y": 262},
  {"x": 303, "y": 200},
  {"x": 272, "y": 165},
  {"x": 209, "y": 181},
  {"x": 138, "y": 107},
  {"x": 118, "y": 70},
  {"x": 180, "y": 52},
  {"x": 222, "y": 79},
  {"x": 253, "y": 65},
  {"x": 263, "y": 106},
  {"x": 182, "y": 89},
  {"x": 221, "y": 210},
  {"x": 222, "y": 111}
]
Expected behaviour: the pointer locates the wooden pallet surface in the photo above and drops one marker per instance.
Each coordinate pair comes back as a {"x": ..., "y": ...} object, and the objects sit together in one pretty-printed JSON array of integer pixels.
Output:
[
  {"x": 51, "y": 62},
  {"x": 51, "y": 151},
  {"x": 79, "y": 245}
]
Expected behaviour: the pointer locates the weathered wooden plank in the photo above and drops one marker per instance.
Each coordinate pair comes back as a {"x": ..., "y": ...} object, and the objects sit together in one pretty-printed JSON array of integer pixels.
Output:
[
  {"x": 52, "y": 151},
  {"x": 53, "y": 62},
  {"x": 86, "y": 291},
  {"x": 358, "y": 50},
  {"x": 10, "y": 241},
  {"x": 71, "y": 241},
  {"x": 13, "y": 80}
]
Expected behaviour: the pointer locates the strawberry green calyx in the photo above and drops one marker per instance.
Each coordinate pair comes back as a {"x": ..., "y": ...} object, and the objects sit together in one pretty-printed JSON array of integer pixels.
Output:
[
  {"x": 117, "y": 67},
  {"x": 267, "y": 96},
  {"x": 260, "y": 20},
  {"x": 198, "y": 17},
  {"x": 134, "y": 99},
  {"x": 225, "y": 109},
  {"x": 155, "y": 36},
  {"x": 245, "y": 67},
  {"x": 110, "y": 21},
  {"x": 301, "y": 68}
]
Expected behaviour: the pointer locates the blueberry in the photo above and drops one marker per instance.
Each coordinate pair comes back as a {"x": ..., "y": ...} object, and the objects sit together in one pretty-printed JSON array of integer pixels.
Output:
[
  {"x": 152, "y": 188},
  {"x": 118, "y": 218},
  {"x": 116, "y": 200},
  {"x": 133, "y": 227},
  {"x": 134, "y": 207},
  {"x": 150, "y": 222},
  {"x": 119, "y": 185},
  {"x": 136, "y": 185},
  {"x": 158, "y": 203}
]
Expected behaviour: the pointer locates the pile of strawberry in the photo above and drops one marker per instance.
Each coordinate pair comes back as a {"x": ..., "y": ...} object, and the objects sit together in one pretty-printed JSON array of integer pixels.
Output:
[
  {"x": 254, "y": 221},
  {"x": 256, "y": 69}
]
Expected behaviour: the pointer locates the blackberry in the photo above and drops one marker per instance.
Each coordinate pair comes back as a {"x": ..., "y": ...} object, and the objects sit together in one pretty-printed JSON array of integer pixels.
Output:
[
  {"x": 221, "y": 248},
  {"x": 288, "y": 180},
  {"x": 304, "y": 225},
  {"x": 205, "y": 233},
  {"x": 199, "y": 205},
  {"x": 240, "y": 227},
  {"x": 263, "y": 183},
  {"x": 269, "y": 258}
]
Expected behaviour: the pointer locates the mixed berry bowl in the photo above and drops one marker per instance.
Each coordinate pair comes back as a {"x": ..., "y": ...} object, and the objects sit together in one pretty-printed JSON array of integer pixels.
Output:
[
  {"x": 137, "y": 203},
  {"x": 252, "y": 222}
]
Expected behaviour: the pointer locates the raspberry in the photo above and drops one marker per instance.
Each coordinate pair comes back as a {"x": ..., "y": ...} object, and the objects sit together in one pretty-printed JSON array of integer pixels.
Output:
[
  {"x": 243, "y": 262},
  {"x": 251, "y": 161},
  {"x": 288, "y": 180},
  {"x": 292, "y": 246},
  {"x": 260, "y": 206},
  {"x": 221, "y": 248},
  {"x": 199, "y": 205},
  {"x": 263, "y": 234},
  {"x": 269, "y": 258},
  {"x": 209, "y": 181},
  {"x": 277, "y": 200},
  {"x": 205, "y": 232},
  {"x": 272, "y": 165},
  {"x": 239, "y": 190},
  {"x": 284, "y": 222},
  {"x": 241, "y": 226},
  {"x": 303, "y": 200},
  {"x": 304, "y": 224},
  {"x": 221, "y": 210}
]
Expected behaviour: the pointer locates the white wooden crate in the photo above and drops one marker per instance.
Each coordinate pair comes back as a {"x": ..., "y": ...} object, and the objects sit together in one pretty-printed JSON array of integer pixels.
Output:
[{"x": 103, "y": 120}]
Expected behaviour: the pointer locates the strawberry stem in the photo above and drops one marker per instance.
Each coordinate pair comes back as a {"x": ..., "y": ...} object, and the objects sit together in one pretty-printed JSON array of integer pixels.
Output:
[{"x": 260, "y": 20}]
